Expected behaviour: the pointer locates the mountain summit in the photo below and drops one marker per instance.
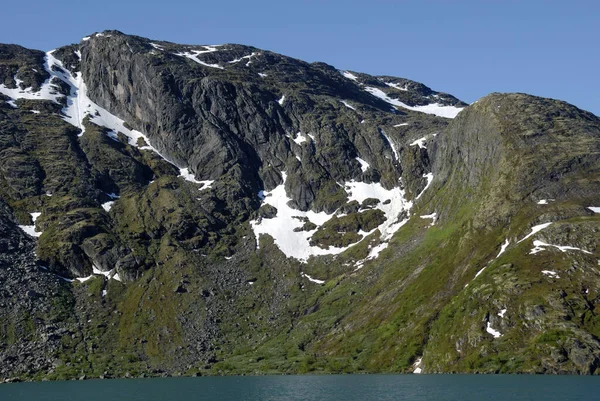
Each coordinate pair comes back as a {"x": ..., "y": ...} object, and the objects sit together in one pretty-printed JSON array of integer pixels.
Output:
[{"x": 221, "y": 209}]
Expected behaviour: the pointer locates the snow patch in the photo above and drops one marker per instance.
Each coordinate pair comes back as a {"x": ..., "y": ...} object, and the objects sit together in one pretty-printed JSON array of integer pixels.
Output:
[
  {"x": 429, "y": 177},
  {"x": 84, "y": 279},
  {"x": 432, "y": 216},
  {"x": 392, "y": 145},
  {"x": 396, "y": 86},
  {"x": 349, "y": 75},
  {"x": 433, "y": 108},
  {"x": 417, "y": 366},
  {"x": 348, "y": 105},
  {"x": 47, "y": 90},
  {"x": 534, "y": 230},
  {"x": 193, "y": 55},
  {"x": 157, "y": 47},
  {"x": 281, "y": 100},
  {"x": 108, "y": 205},
  {"x": 314, "y": 280},
  {"x": 188, "y": 176},
  {"x": 364, "y": 166},
  {"x": 550, "y": 273},
  {"x": 248, "y": 57},
  {"x": 493, "y": 332},
  {"x": 594, "y": 209},
  {"x": 420, "y": 143},
  {"x": 539, "y": 246},
  {"x": 295, "y": 244},
  {"x": 503, "y": 248},
  {"x": 401, "y": 125},
  {"x": 502, "y": 312},
  {"x": 300, "y": 139},
  {"x": 30, "y": 229},
  {"x": 262, "y": 75}
]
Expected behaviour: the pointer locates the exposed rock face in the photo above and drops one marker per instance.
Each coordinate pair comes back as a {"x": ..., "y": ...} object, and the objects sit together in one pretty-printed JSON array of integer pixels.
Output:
[
  {"x": 138, "y": 180},
  {"x": 518, "y": 148}
]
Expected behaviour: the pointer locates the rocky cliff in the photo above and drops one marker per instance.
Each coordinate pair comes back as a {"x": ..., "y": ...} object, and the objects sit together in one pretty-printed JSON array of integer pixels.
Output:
[{"x": 224, "y": 209}]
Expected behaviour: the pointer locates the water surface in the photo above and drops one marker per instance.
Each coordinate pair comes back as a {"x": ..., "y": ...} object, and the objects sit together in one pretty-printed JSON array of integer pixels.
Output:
[{"x": 334, "y": 387}]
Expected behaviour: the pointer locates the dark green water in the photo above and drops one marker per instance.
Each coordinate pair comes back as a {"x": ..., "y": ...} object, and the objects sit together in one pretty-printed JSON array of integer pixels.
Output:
[{"x": 343, "y": 388}]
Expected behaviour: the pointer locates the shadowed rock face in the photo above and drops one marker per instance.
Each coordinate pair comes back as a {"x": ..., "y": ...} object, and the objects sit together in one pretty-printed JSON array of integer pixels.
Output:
[{"x": 157, "y": 216}]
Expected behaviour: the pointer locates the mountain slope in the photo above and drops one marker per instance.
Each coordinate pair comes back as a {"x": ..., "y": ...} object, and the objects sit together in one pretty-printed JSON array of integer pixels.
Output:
[{"x": 224, "y": 209}]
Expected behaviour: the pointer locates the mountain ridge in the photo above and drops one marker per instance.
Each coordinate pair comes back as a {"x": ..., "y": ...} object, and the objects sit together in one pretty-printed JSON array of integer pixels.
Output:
[{"x": 226, "y": 210}]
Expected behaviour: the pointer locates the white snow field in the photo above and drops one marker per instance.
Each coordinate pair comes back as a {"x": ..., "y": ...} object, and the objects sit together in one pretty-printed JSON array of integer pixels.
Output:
[{"x": 295, "y": 244}]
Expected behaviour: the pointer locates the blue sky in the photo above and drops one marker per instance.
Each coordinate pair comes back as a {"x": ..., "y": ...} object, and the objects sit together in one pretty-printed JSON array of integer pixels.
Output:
[{"x": 467, "y": 48}]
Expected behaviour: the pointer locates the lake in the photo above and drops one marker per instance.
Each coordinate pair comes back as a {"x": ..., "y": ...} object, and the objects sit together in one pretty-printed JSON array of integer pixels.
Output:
[{"x": 334, "y": 387}]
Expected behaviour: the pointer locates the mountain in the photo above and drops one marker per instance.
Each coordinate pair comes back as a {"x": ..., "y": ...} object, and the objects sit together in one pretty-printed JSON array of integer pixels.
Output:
[{"x": 177, "y": 209}]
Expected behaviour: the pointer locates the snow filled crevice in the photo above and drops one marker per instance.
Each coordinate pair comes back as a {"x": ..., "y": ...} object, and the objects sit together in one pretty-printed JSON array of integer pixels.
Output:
[
  {"x": 417, "y": 366},
  {"x": 392, "y": 144},
  {"x": 364, "y": 166},
  {"x": 433, "y": 108},
  {"x": 502, "y": 250},
  {"x": 429, "y": 177},
  {"x": 295, "y": 244},
  {"x": 193, "y": 55}
]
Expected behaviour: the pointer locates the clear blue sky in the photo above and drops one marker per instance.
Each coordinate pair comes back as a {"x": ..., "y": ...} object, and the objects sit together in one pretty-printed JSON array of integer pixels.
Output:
[{"x": 467, "y": 48}]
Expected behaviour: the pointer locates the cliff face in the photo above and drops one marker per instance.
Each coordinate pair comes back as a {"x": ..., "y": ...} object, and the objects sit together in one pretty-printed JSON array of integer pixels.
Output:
[{"x": 224, "y": 209}]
